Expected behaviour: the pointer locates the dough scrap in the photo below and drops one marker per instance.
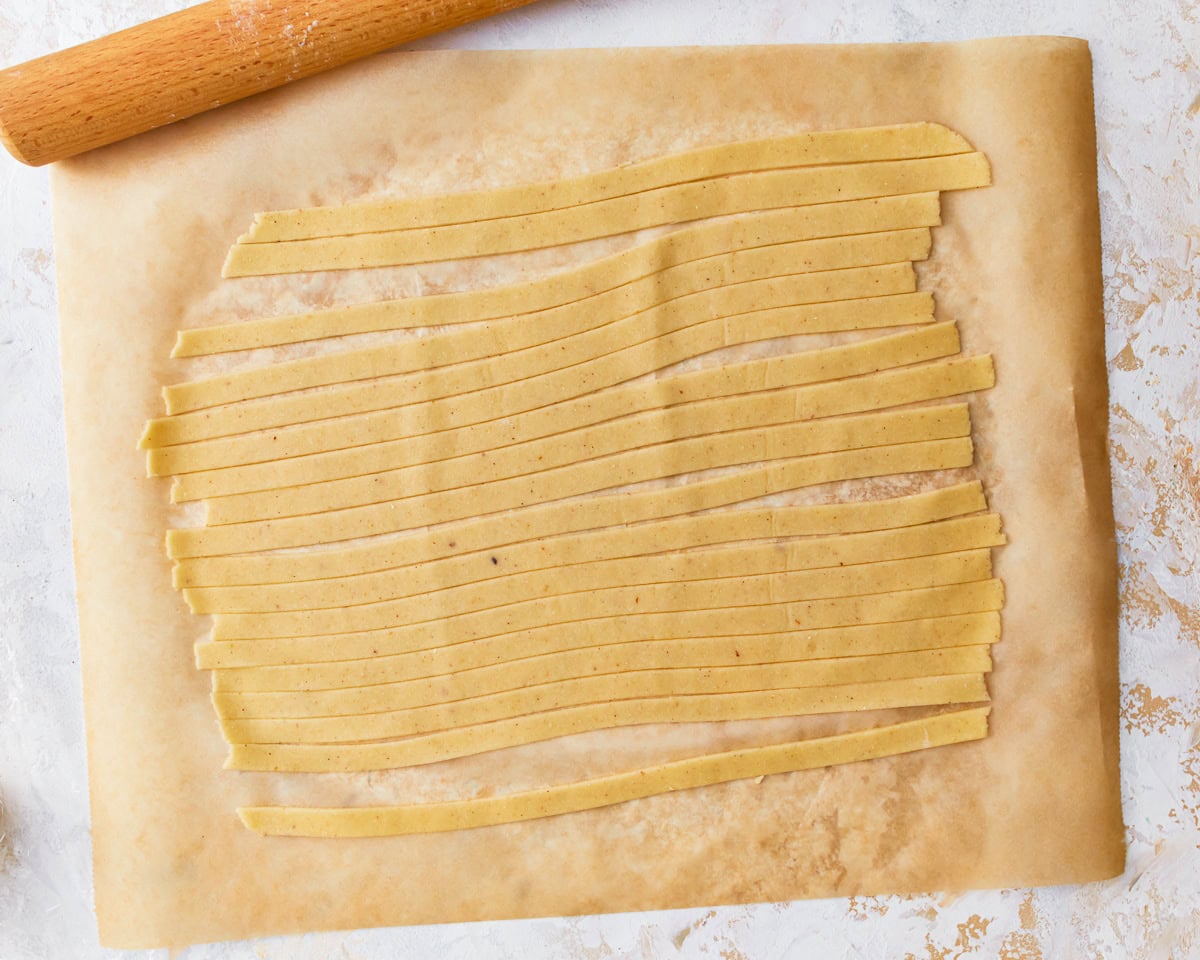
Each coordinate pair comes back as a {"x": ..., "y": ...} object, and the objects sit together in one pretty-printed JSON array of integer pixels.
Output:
[
  {"x": 534, "y": 728},
  {"x": 712, "y": 253},
  {"x": 959, "y": 726},
  {"x": 479, "y": 585},
  {"x": 488, "y": 661},
  {"x": 359, "y": 722},
  {"x": 679, "y": 203},
  {"x": 821, "y": 147},
  {"x": 561, "y": 516}
]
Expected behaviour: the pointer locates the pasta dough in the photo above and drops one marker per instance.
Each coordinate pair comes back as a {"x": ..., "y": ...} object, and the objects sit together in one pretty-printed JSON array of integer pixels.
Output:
[
  {"x": 371, "y": 713},
  {"x": 364, "y": 435},
  {"x": 457, "y": 545},
  {"x": 532, "y": 728},
  {"x": 564, "y": 516},
  {"x": 981, "y": 596},
  {"x": 956, "y": 727},
  {"x": 625, "y": 364},
  {"x": 486, "y": 584},
  {"x": 820, "y": 147},
  {"x": 506, "y": 337},
  {"x": 723, "y": 252},
  {"x": 736, "y": 193},
  {"x": 466, "y": 662}
]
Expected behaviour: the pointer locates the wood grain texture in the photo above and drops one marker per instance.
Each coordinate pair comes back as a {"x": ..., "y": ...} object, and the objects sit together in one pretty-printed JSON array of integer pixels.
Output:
[{"x": 174, "y": 67}]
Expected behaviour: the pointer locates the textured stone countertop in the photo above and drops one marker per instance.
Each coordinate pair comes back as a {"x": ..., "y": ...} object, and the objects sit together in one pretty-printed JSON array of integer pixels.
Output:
[{"x": 1147, "y": 73}]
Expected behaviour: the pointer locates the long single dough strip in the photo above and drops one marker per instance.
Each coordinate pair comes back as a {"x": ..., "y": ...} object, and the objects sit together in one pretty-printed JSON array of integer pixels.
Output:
[
  {"x": 548, "y": 518},
  {"x": 897, "y": 142},
  {"x": 680, "y": 203},
  {"x": 888, "y": 609},
  {"x": 329, "y": 518},
  {"x": 488, "y": 661},
  {"x": 981, "y": 596},
  {"x": 608, "y": 688},
  {"x": 502, "y": 338},
  {"x": 482, "y": 533},
  {"x": 737, "y": 589},
  {"x": 959, "y": 726},
  {"x": 365, "y": 443},
  {"x": 712, "y": 248},
  {"x": 500, "y": 383},
  {"x": 445, "y": 586},
  {"x": 467, "y": 741},
  {"x": 491, "y": 695}
]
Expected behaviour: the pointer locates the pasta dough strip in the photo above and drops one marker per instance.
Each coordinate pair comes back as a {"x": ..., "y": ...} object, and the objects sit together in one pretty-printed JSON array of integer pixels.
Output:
[
  {"x": 708, "y": 250},
  {"x": 959, "y": 726},
  {"x": 981, "y": 596},
  {"x": 614, "y": 442},
  {"x": 898, "y": 142},
  {"x": 499, "y": 389},
  {"x": 608, "y": 688},
  {"x": 534, "y": 728},
  {"x": 486, "y": 584},
  {"x": 859, "y": 395},
  {"x": 549, "y": 517},
  {"x": 502, "y": 338},
  {"x": 735, "y": 193},
  {"x": 490, "y": 661},
  {"x": 548, "y": 683},
  {"x": 354, "y": 446},
  {"x": 486, "y": 532},
  {"x": 737, "y": 589},
  {"x": 329, "y": 520}
]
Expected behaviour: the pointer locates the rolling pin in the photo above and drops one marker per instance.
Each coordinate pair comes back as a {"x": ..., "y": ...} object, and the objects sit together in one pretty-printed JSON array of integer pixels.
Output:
[{"x": 199, "y": 58}]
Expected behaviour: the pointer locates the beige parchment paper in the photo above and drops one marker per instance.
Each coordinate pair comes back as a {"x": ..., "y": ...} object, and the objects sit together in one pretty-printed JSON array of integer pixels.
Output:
[{"x": 141, "y": 231}]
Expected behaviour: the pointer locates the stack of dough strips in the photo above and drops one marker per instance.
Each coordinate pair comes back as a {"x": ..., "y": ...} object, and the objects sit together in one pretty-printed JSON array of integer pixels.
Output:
[{"x": 510, "y": 529}]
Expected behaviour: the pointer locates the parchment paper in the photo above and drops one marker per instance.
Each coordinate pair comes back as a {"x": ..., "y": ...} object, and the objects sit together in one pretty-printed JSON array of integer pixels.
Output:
[{"x": 141, "y": 230}]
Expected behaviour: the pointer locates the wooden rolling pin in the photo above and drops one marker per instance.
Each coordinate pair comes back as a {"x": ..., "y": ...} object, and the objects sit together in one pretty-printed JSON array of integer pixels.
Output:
[{"x": 199, "y": 58}]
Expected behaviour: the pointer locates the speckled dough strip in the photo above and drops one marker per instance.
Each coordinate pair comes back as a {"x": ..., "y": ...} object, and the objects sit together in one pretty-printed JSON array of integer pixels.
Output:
[
  {"x": 883, "y": 233},
  {"x": 535, "y": 728},
  {"x": 486, "y": 662},
  {"x": 550, "y": 684},
  {"x": 362, "y": 723},
  {"x": 507, "y": 338},
  {"x": 737, "y": 193},
  {"x": 484, "y": 584},
  {"x": 499, "y": 417},
  {"x": 480, "y": 385},
  {"x": 440, "y": 491},
  {"x": 960, "y": 726},
  {"x": 737, "y": 588},
  {"x": 820, "y": 147},
  {"x": 563, "y": 516},
  {"x": 980, "y": 596},
  {"x": 487, "y": 533}
]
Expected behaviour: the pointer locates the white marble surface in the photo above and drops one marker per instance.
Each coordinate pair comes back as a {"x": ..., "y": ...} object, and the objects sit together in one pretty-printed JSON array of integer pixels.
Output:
[{"x": 1148, "y": 104}]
